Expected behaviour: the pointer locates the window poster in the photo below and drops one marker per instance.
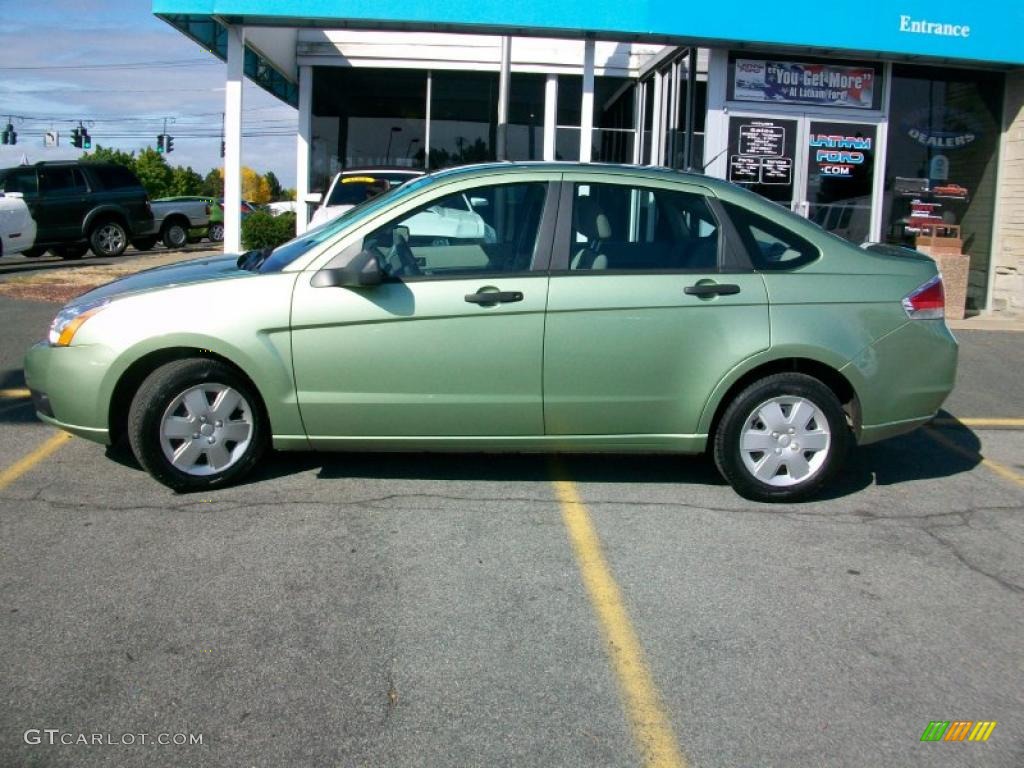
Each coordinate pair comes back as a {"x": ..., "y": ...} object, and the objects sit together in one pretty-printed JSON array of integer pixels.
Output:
[{"x": 792, "y": 82}]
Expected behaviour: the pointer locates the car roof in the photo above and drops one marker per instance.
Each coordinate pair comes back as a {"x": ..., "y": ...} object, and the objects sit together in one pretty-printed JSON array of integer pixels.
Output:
[
  {"x": 371, "y": 170},
  {"x": 576, "y": 168}
]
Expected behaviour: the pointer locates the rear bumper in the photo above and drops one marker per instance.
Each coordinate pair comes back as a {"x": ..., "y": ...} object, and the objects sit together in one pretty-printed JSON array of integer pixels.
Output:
[{"x": 903, "y": 378}]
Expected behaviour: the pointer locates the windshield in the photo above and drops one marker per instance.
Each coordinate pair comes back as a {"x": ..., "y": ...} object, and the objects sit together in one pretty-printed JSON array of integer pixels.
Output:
[{"x": 285, "y": 254}]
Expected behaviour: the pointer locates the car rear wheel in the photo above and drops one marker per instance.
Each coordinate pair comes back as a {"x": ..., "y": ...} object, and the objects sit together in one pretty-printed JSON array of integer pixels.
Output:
[
  {"x": 175, "y": 234},
  {"x": 108, "y": 238},
  {"x": 216, "y": 233},
  {"x": 197, "y": 424},
  {"x": 782, "y": 438}
]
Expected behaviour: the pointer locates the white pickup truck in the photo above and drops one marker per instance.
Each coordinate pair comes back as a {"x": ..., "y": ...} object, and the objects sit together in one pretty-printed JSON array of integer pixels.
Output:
[{"x": 175, "y": 217}]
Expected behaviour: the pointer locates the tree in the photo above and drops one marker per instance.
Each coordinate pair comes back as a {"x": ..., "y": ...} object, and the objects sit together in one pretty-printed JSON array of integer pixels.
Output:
[
  {"x": 213, "y": 183},
  {"x": 274, "y": 184},
  {"x": 254, "y": 186},
  {"x": 288, "y": 194},
  {"x": 108, "y": 155},
  {"x": 185, "y": 181},
  {"x": 153, "y": 172}
]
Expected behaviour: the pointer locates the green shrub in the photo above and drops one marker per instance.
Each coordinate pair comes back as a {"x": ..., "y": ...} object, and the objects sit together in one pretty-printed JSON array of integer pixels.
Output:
[{"x": 261, "y": 230}]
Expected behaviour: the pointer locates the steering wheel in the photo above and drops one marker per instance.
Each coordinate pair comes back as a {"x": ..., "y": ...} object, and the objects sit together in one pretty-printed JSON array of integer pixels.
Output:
[{"x": 400, "y": 248}]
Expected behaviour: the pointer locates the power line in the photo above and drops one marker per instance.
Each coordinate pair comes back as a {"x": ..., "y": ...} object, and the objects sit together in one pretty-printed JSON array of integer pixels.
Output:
[{"x": 116, "y": 65}]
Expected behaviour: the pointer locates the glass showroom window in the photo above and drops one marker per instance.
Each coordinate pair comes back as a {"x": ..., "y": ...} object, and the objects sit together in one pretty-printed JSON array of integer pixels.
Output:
[
  {"x": 463, "y": 118},
  {"x": 944, "y": 128},
  {"x": 526, "y": 117}
]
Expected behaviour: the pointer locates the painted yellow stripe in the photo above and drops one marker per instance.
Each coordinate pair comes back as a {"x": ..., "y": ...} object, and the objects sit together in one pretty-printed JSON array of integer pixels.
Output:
[
  {"x": 23, "y": 465},
  {"x": 12, "y": 393},
  {"x": 1000, "y": 469},
  {"x": 651, "y": 728},
  {"x": 944, "y": 422}
]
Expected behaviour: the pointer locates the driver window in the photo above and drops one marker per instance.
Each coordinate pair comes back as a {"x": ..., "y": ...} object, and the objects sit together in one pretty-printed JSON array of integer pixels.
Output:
[{"x": 477, "y": 231}]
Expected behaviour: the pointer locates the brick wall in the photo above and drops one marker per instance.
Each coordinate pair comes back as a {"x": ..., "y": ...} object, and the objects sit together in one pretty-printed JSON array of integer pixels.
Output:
[{"x": 1008, "y": 284}]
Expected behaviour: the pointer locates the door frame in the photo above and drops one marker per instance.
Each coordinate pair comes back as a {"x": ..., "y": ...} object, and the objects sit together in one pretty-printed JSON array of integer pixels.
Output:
[{"x": 803, "y": 117}]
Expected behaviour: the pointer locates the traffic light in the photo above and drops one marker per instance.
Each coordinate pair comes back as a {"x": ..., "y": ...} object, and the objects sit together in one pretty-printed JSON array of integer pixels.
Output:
[
  {"x": 10, "y": 136},
  {"x": 86, "y": 139},
  {"x": 160, "y": 143},
  {"x": 169, "y": 144},
  {"x": 76, "y": 138}
]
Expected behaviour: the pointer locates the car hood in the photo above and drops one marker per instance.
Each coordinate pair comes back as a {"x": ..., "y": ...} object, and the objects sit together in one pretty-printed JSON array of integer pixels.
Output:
[{"x": 182, "y": 273}]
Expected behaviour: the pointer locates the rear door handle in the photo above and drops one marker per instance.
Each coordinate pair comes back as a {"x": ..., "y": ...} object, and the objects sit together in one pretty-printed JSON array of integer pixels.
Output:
[
  {"x": 711, "y": 289},
  {"x": 485, "y": 298}
]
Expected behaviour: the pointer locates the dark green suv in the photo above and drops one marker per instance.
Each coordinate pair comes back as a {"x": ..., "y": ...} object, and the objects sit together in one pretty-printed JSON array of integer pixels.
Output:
[{"x": 78, "y": 206}]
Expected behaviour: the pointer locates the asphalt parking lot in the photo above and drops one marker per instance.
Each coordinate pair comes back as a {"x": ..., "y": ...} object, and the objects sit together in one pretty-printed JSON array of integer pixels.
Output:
[{"x": 470, "y": 610}]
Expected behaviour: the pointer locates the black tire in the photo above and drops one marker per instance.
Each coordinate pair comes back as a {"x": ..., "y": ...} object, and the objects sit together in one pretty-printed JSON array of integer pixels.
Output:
[
  {"x": 158, "y": 392},
  {"x": 743, "y": 409},
  {"x": 33, "y": 253},
  {"x": 144, "y": 243},
  {"x": 215, "y": 233},
  {"x": 175, "y": 234},
  {"x": 69, "y": 252},
  {"x": 108, "y": 238}
]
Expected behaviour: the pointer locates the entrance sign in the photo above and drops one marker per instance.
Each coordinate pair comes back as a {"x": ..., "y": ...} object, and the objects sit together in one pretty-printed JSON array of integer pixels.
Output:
[{"x": 791, "y": 82}]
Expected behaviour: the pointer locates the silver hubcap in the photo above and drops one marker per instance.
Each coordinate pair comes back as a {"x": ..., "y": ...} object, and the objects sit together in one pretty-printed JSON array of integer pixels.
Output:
[
  {"x": 785, "y": 441},
  {"x": 177, "y": 235},
  {"x": 206, "y": 429},
  {"x": 111, "y": 238}
]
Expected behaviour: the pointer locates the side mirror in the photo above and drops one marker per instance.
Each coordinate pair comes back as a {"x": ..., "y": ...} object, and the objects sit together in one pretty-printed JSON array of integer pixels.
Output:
[
  {"x": 479, "y": 202},
  {"x": 363, "y": 271},
  {"x": 313, "y": 198}
]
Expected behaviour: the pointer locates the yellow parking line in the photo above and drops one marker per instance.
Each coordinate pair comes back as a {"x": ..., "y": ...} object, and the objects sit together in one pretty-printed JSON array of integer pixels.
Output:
[
  {"x": 15, "y": 393},
  {"x": 23, "y": 465},
  {"x": 947, "y": 422},
  {"x": 1000, "y": 469},
  {"x": 651, "y": 728}
]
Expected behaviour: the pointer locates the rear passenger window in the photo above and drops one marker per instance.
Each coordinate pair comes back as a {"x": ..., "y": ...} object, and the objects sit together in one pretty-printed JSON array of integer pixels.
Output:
[
  {"x": 627, "y": 228},
  {"x": 113, "y": 177},
  {"x": 771, "y": 246}
]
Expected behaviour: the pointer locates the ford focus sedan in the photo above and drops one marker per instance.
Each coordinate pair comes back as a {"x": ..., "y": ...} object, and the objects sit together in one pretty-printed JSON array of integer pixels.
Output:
[{"x": 580, "y": 308}]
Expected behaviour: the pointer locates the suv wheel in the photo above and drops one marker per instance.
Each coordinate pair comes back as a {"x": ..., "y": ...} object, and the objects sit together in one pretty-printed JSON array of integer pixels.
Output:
[
  {"x": 196, "y": 424},
  {"x": 782, "y": 438},
  {"x": 108, "y": 238},
  {"x": 175, "y": 234}
]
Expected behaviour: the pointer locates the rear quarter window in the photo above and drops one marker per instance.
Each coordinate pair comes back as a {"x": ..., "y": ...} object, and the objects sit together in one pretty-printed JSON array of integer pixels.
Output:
[
  {"x": 770, "y": 245},
  {"x": 114, "y": 177}
]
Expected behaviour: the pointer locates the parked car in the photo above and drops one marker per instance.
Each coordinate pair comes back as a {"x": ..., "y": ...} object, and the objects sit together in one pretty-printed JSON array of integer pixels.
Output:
[
  {"x": 17, "y": 227},
  {"x": 354, "y": 186},
  {"x": 177, "y": 217},
  {"x": 614, "y": 309},
  {"x": 77, "y": 206}
]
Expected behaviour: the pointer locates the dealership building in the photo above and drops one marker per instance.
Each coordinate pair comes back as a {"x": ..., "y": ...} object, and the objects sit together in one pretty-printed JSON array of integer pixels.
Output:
[{"x": 887, "y": 122}]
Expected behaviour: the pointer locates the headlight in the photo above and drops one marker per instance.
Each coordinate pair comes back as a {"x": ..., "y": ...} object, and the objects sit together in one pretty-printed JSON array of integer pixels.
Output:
[{"x": 67, "y": 322}]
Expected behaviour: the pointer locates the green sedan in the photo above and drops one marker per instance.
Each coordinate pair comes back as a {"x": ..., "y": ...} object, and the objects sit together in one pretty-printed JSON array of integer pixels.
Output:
[{"x": 515, "y": 307}]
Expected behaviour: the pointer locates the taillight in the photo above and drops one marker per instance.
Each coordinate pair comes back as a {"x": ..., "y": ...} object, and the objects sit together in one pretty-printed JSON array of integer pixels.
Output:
[{"x": 927, "y": 302}]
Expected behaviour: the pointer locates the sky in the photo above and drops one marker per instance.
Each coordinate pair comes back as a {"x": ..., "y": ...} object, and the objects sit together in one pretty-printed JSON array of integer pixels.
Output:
[{"x": 45, "y": 47}]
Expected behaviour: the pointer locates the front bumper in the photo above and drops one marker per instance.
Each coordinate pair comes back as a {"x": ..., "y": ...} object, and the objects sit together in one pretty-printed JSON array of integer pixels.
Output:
[{"x": 69, "y": 388}]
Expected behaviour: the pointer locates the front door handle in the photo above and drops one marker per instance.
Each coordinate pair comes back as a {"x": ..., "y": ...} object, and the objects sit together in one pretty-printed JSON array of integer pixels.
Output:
[
  {"x": 711, "y": 289},
  {"x": 490, "y": 298}
]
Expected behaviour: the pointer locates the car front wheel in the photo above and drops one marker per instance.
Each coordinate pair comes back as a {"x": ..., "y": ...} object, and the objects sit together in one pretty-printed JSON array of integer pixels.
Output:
[
  {"x": 215, "y": 233},
  {"x": 196, "y": 424},
  {"x": 108, "y": 238},
  {"x": 782, "y": 438}
]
